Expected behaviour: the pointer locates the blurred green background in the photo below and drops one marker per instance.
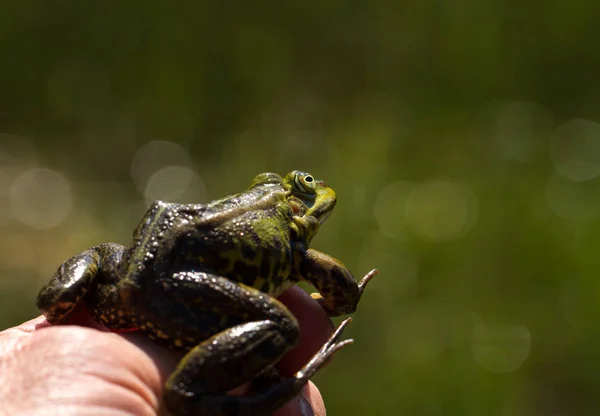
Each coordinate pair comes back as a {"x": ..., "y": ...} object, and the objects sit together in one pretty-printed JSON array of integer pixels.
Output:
[{"x": 462, "y": 138}]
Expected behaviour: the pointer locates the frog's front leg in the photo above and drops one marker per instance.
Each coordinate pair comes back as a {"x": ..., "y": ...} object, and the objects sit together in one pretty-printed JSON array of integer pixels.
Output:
[
  {"x": 71, "y": 282},
  {"x": 236, "y": 354},
  {"x": 339, "y": 293},
  {"x": 304, "y": 228}
]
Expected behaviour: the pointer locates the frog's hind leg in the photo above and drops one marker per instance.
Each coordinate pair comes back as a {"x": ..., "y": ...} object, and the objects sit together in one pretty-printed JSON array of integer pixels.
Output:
[
  {"x": 235, "y": 355},
  {"x": 59, "y": 298},
  {"x": 205, "y": 402}
]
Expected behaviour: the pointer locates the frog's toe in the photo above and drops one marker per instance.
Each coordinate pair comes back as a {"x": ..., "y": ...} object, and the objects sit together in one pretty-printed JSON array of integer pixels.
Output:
[
  {"x": 365, "y": 280},
  {"x": 327, "y": 351}
]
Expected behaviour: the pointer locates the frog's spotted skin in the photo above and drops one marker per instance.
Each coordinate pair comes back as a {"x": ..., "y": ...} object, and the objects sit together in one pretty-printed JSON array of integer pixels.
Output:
[{"x": 204, "y": 277}]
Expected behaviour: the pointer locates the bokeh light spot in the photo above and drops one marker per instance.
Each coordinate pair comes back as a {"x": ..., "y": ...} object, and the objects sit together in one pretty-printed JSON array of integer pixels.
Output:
[
  {"x": 16, "y": 152},
  {"x": 576, "y": 201},
  {"x": 171, "y": 183},
  {"x": 40, "y": 198},
  {"x": 575, "y": 149},
  {"x": 426, "y": 327},
  {"x": 578, "y": 302},
  {"x": 511, "y": 129},
  {"x": 441, "y": 210},
  {"x": 156, "y": 155},
  {"x": 390, "y": 207},
  {"x": 5, "y": 181},
  {"x": 501, "y": 349}
]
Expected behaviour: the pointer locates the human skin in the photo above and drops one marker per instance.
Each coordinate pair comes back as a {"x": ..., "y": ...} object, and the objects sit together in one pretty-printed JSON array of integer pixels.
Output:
[{"x": 82, "y": 369}]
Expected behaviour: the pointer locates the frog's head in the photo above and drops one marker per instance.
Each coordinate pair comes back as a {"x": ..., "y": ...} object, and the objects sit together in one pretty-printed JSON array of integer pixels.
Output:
[{"x": 316, "y": 198}]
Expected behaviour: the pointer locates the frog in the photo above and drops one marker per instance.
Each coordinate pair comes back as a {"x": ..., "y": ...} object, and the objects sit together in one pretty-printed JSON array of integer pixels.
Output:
[{"x": 204, "y": 279}]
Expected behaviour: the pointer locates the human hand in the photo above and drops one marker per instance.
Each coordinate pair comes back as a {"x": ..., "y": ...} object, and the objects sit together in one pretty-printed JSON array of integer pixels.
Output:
[{"x": 82, "y": 369}]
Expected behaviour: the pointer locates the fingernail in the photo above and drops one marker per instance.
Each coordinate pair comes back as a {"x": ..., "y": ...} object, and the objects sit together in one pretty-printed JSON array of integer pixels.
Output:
[{"x": 305, "y": 407}]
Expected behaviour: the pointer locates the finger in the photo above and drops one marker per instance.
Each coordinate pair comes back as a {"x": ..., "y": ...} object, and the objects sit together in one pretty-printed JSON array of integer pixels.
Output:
[
  {"x": 29, "y": 326},
  {"x": 165, "y": 361},
  {"x": 309, "y": 403},
  {"x": 315, "y": 329},
  {"x": 74, "y": 366},
  {"x": 80, "y": 317}
]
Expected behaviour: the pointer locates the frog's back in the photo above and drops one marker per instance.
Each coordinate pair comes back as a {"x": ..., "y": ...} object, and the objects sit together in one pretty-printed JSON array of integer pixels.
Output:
[
  {"x": 140, "y": 256},
  {"x": 164, "y": 218},
  {"x": 244, "y": 237}
]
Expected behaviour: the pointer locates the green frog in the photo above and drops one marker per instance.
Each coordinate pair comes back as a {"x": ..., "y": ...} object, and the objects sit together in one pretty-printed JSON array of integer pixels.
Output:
[{"x": 204, "y": 278}]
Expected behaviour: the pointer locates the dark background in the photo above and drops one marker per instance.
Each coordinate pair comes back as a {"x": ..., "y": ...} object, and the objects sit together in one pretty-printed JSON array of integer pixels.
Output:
[{"x": 462, "y": 138}]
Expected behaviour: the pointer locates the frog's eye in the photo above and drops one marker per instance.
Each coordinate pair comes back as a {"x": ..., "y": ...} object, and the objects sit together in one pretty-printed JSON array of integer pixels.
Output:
[{"x": 304, "y": 183}]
